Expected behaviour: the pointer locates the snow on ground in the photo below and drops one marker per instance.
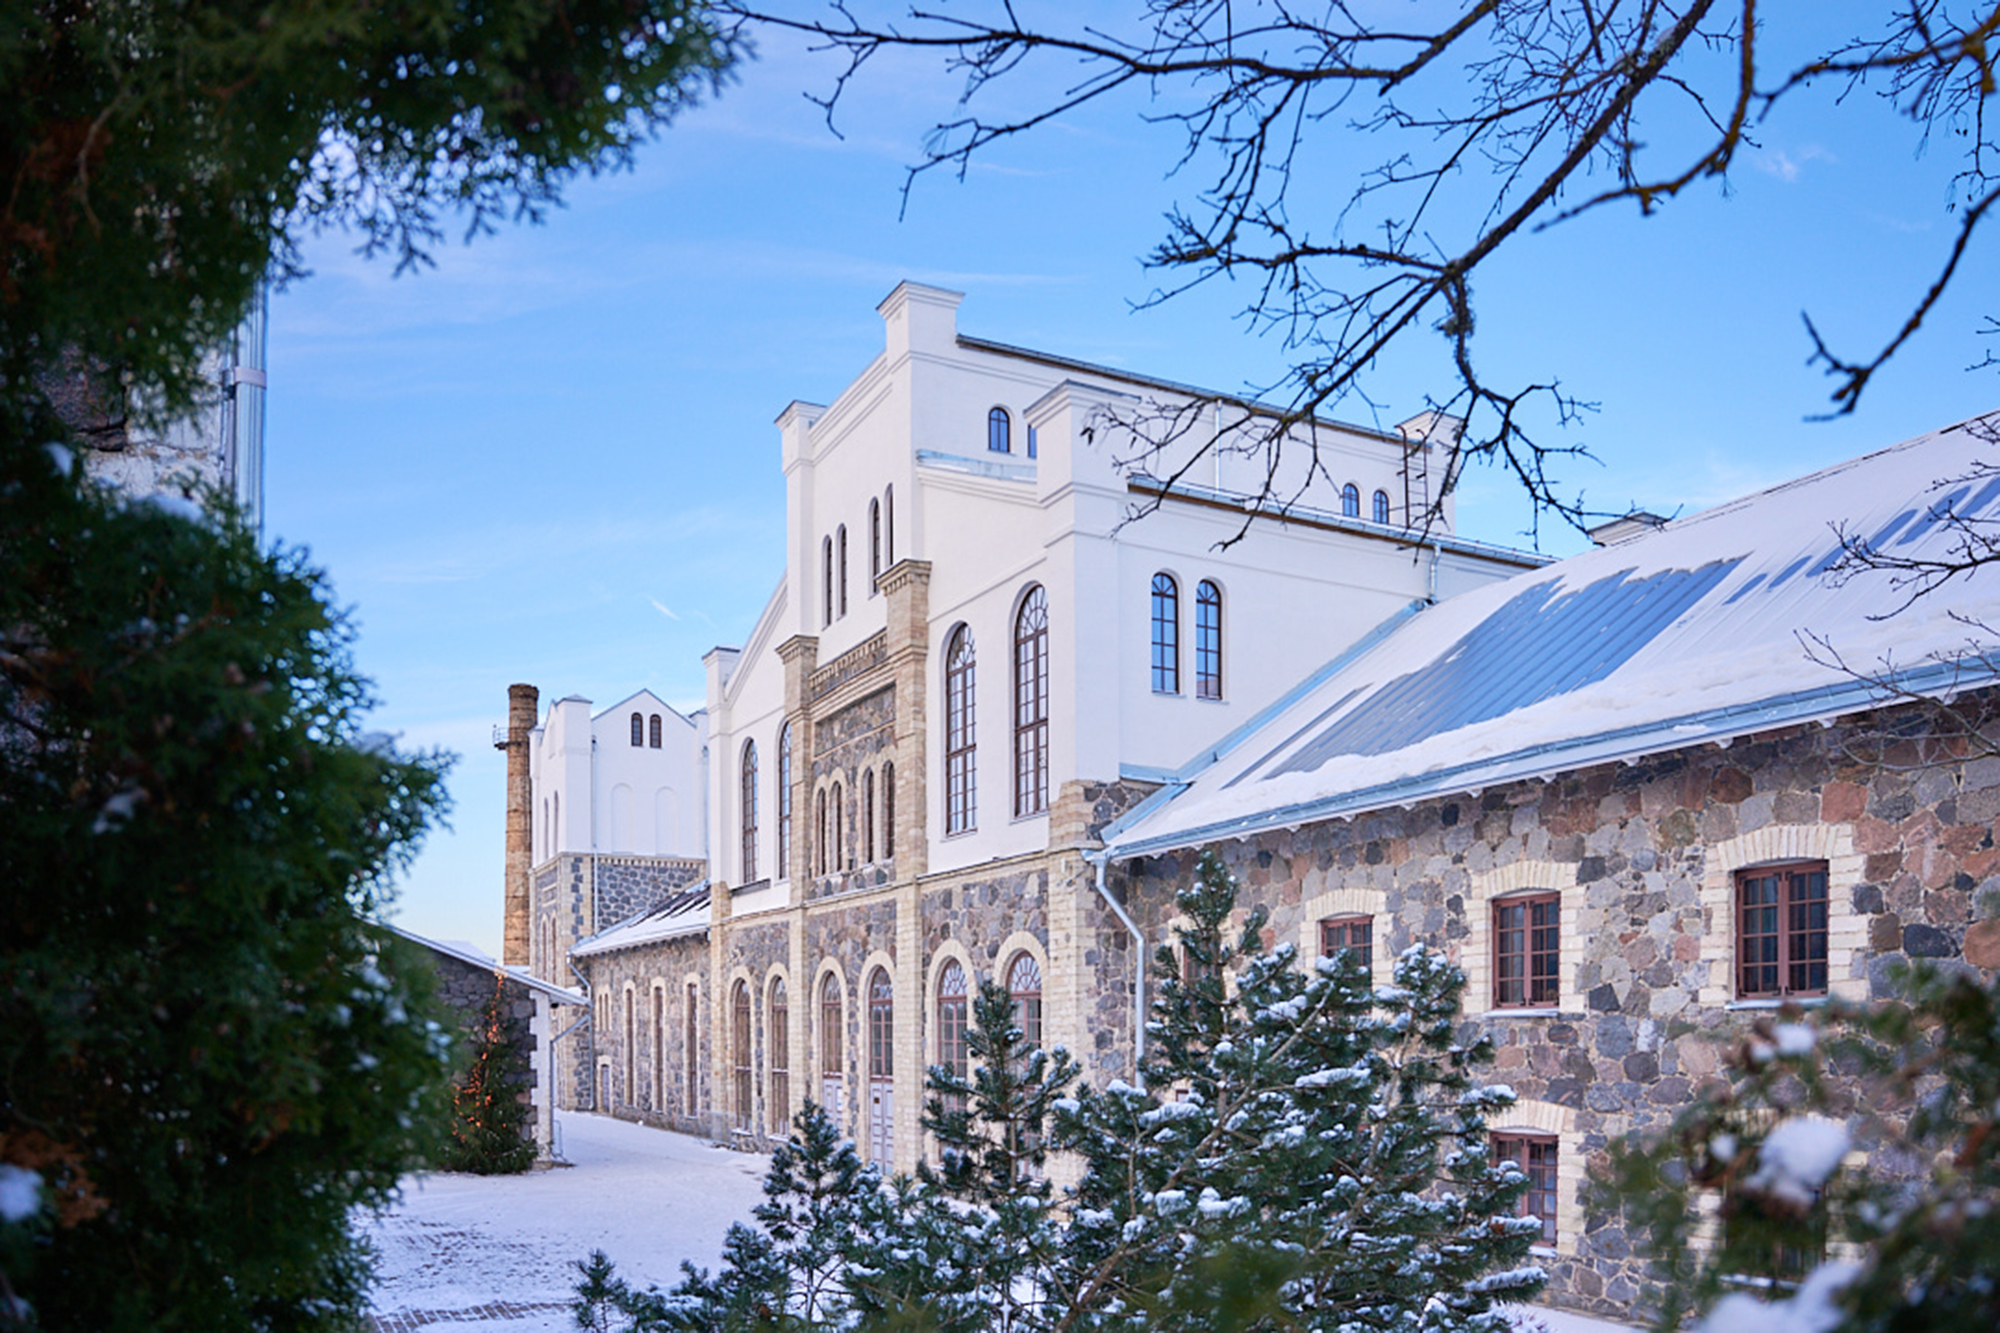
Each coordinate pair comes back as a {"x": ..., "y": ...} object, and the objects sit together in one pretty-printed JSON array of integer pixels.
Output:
[{"x": 496, "y": 1253}]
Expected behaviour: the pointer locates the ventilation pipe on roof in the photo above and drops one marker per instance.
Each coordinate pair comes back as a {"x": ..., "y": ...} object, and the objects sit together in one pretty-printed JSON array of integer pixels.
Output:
[{"x": 1139, "y": 972}]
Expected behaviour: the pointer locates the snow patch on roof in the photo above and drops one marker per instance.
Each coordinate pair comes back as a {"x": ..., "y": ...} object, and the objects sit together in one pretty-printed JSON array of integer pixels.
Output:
[{"x": 683, "y": 913}]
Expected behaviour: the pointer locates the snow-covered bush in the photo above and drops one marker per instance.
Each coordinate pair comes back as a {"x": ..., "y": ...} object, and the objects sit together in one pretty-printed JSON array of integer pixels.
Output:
[
  {"x": 1305, "y": 1154},
  {"x": 1751, "y": 1220}
]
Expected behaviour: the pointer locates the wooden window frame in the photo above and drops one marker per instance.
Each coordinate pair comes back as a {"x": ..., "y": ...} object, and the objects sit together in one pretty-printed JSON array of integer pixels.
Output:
[
  {"x": 785, "y": 801},
  {"x": 1027, "y": 997},
  {"x": 961, "y": 735},
  {"x": 1350, "y": 501},
  {"x": 659, "y": 1035},
  {"x": 742, "y": 1062},
  {"x": 888, "y": 812},
  {"x": 1541, "y": 1199},
  {"x": 1165, "y": 659},
  {"x": 691, "y": 1057},
  {"x": 868, "y": 817},
  {"x": 832, "y": 1028},
  {"x": 1031, "y": 704},
  {"x": 638, "y": 731},
  {"x": 999, "y": 432},
  {"x": 826, "y": 581},
  {"x": 881, "y": 1025},
  {"x": 840, "y": 546},
  {"x": 1790, "y": 958},
  {"x": 1379, "y": 509},
  {"x": 778, "y": 1056},
  {"x": 953, "y": 1004},
  {"x": 874, "y": 545},
  {"x": 1338, "y": 932},
  {"x": 653, "y": 731},
  {"x": 1540, "y": 951}
]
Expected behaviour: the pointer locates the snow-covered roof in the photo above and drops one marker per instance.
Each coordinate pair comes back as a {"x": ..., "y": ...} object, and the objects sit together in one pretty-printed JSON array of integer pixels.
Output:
[
  {"x": 1699, "y": 630},
  {"x": 684, "y": 913},
  {"x": 466, "y": 953}
]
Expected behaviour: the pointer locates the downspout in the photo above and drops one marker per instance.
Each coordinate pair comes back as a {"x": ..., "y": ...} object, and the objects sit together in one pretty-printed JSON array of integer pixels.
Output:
[
  {"x": 1432, "y": 598},
  {"x": 1139, "y": 977}
]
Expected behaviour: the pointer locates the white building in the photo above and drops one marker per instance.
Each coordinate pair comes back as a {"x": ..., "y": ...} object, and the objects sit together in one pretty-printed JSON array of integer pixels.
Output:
[
  {"x": 972, "y": 663},
  {"x": 626, "y": 781}
]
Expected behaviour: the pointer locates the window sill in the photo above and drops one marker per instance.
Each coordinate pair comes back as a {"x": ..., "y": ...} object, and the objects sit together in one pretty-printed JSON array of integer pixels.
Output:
[
  {"x": 1539, "y": 1012},
  {"x": 1041, "y": 814},
  {"x": 1802, "y": 1001}
]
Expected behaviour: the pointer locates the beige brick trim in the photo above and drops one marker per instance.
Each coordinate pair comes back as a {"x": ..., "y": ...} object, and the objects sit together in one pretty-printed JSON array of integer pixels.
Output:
[
  {"x": 951, "y": 951},
  {"x": 903, "y": 1053},
  {"x": 1346, "y": 901},
  {"x": 1476, "y": 953},
  {"x": 1534, "y": 1117},
  {"x": 1846, "y": 931},
  {"x": 773, "y": 1117},
  {"x": 817, "y": 1072}
]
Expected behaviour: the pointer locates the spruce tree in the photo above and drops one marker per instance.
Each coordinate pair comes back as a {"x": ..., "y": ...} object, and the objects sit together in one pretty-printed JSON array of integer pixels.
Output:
[{"x": 489, "y": 1122}]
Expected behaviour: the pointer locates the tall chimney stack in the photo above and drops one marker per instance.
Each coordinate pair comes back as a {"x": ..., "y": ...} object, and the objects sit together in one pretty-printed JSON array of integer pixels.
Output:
[{"x": 523, "y": 706}]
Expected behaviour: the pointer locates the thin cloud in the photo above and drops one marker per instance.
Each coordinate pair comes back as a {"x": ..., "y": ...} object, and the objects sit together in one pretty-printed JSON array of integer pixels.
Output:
[
  {"x": 663, "y": 608},
  {"x": 1787, "y": 166}
]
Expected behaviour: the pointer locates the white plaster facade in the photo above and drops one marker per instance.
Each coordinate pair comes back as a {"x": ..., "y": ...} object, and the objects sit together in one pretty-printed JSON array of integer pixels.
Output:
[{"x": 596, "y": 791}]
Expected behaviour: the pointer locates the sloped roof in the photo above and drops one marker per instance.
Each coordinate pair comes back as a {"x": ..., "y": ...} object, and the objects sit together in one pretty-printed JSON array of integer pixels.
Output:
[
  {"x": 683, "y": 913},
  {"x": 467, "y": 953},
  {"x": 1699, "y": 630}
]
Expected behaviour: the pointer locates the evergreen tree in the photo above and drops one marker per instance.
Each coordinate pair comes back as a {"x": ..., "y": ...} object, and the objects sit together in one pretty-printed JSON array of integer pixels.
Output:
[
  {"x": 1740, "y": 1201},
  {"x": 208, "y": 1056},
  {"x": 489, "y": 1121}
]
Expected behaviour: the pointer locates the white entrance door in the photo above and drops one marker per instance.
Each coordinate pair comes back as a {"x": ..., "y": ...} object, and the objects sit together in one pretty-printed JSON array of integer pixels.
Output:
[
  {"x": 881, "y": 1121},
  {"x": 833, "y": 1096}
]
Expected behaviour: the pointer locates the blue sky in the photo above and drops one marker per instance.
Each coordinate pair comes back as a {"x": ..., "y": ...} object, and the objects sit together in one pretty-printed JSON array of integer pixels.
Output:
[{"x": 551, "y": 457}]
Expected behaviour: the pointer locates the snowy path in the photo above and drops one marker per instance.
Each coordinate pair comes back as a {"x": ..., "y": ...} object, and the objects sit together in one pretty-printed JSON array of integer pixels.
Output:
[{"x": 495, "y": 1252}]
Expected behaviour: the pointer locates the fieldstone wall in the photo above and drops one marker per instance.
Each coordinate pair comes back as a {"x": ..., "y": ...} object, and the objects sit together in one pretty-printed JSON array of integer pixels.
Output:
[
  {"x": 847, "y": 743},
  {"x": 465, "y": 989},
  {"x": 1644, "y": 858},
  {"x": 635, "y": 1094},
  {"x": 980, "y": 915},
  {"x": 624, "y": 886}
]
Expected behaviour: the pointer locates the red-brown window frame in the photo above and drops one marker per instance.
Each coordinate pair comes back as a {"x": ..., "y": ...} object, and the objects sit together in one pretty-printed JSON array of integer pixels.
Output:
[
  {"x": 1544, "y": 1175},
  {"x": 778, "y": 1055},
  {"x": 1776, "y": 957},
  {"x": 952, "y": 998},
  {"x": 832, "y": 1025},
  {"x": 745, "y": 1080},
  {"x": 1338, "y": 932},
  {"x": 1540, "y": 951}
]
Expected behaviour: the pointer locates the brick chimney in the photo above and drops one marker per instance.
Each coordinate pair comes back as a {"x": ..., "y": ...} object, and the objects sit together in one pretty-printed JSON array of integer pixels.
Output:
[{"x": 523, "y": 706}]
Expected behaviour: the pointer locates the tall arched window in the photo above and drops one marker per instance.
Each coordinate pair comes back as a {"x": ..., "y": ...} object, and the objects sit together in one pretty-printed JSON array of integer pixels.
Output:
[
  {"x": 653, "y": 731},
  {"x": 1381, "y": 506},
  {"x": 819, "y": 831},
  {"x": 826, "y": 581},
  {"x": 785, "y": 800},
  {"x": 881, "y": 1067},
  {"x": 889, "y": 810},
  {"x": 1350, "y": 501},
  {"x": 888, "y": 526},
  {"x": 778, "y": 1056},
  {"x": 874, "y": 544},
  {"x": 960, "y": 799},
  {"x": 638, "y": 730},
  {"x": 1166, "y": 635},
  {"x": 631, "y": 1033},
  {"x": 840, "y": 545},
  {"x": 749, "y": 810},
  {"x": 659, "y": 1035},
  {"x": 868, "y": 817},
  {"x": 1024, "y": 984},
  {"x": 951, "y": 1026},
  {"x": 836, "y": 814},
  {"x": 999, "y": 433},
  {"x": 691, "y": 1053},
  {"x": 832, "y": 1026},
  {"x": 1031, "y": 704},
  {"x": 1207, "y": 641},
  {"x": 739, "y": 1031}
]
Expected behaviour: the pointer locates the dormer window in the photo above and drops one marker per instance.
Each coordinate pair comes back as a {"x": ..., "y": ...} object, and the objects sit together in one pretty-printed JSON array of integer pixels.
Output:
[{"x": 999, "y": 432}]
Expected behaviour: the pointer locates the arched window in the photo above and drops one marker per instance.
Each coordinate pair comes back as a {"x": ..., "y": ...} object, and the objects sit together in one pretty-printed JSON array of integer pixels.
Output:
[
  {"x": 749, "y": 809},
  {"x": 739, "y": 1031},
  {"x": 888, "y": 811},
  {"x": 960, "y": 800},
  {"x": 631, "y": 1079},
  {"x": 874, "y": 544},
  {"x": 1350, "y": 501},
  {"x": 785, "y": 800},
  {"x": 1024, "y": 984},
  {"x": 819, "y": 831},
  {"x": 826, "y": 581},
  {"x": 638, "y": 730},
  {"x": 832, "y": 1025},
  {"x": 778, "y": 1056},
  {"x": 1381, "y": 506},
  {"x": 951, "y": 1026},
  {"x": 1031, "y": 704},
  {"x": 1207, "y": 641},
  {"x": 555, "y": 834},
  {"x": 881, "y": 1067},
  {"x": 653, "y": 731},
  {"x": 659, "y": 1035},
  {"x": 1166, "y": 635},
  {"x": 999, "y": 432},
  {"x": 840, "y": 543},
  {"x": 836, "y": 814},
  {"x": 691, "y": 1053},
  {"x": 888, "y": 526},
  {"x": 868, "y": 817}
]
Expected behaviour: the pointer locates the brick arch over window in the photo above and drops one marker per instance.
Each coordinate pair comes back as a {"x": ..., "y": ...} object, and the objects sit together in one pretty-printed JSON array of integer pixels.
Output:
[
  {"x": 1554, "y": 1126},
  {"x": 742, "y": 1060},
  {"x": 1522, "y": 877},
  {"x": 1348, "y": 903},
  {"x": 951, "y": 990},
  {"x": 829, "y": 1042},
  {"x": 778, "y": 1052},
  {"x": 1782, "y": 844}
]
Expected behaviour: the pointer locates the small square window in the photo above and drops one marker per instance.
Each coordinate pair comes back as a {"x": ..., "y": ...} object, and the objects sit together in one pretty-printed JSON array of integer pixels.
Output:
[
  {"x": 1535, "y": 1154},
  {"x": 1349, "y": 932},
  {"x": 1527, "y": 951}
]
